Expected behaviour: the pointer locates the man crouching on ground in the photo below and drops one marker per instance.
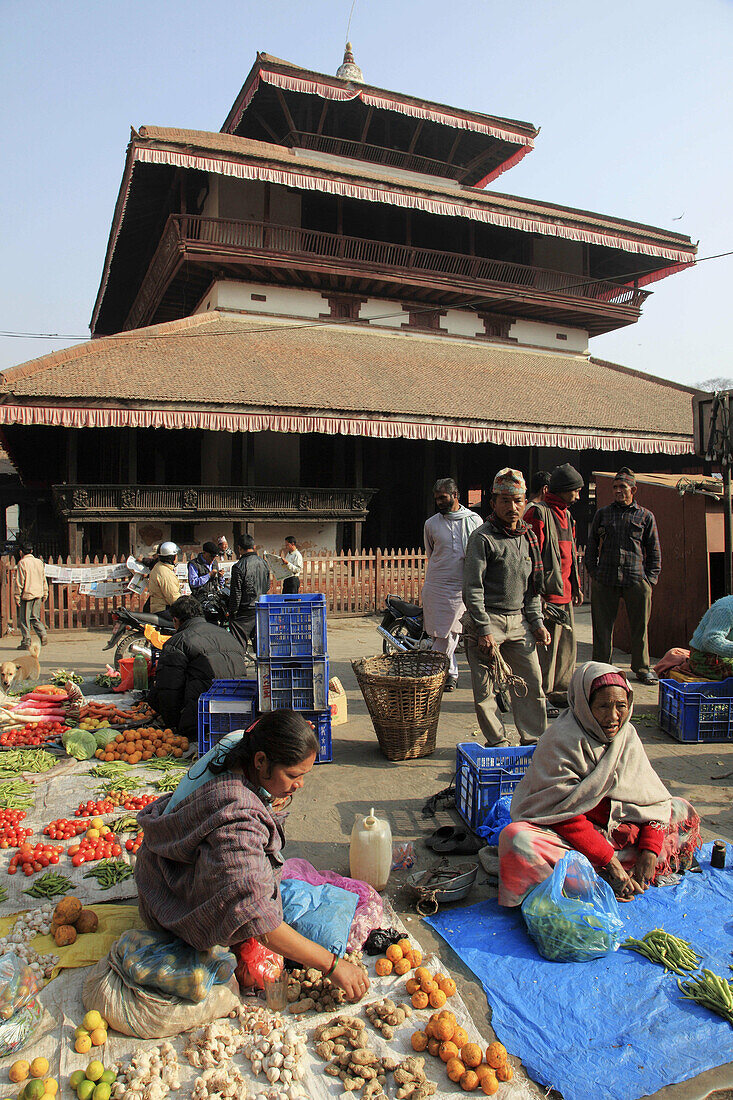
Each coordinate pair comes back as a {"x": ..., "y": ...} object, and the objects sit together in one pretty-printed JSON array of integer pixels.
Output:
[{"x": 502, "y": 585}]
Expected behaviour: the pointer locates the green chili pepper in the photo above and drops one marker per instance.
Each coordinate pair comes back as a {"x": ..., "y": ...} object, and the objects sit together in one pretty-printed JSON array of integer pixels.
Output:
[
  {"x": 109, "y": 872},
  {"x": 50, "y": 885}
]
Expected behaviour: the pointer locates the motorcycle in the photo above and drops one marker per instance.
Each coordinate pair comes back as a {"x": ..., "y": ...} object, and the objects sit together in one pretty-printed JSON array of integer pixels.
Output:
[
  {"x": 402, "y": 628},
  {"x": 128, "y": 634}
]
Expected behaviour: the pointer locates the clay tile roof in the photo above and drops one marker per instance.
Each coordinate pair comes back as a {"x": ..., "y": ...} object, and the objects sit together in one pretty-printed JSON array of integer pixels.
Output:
[{"x": 222, "y": 360}]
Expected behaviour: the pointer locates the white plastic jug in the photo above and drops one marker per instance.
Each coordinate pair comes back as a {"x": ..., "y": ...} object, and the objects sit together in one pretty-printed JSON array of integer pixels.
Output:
[{"x": 370, "y": 854}]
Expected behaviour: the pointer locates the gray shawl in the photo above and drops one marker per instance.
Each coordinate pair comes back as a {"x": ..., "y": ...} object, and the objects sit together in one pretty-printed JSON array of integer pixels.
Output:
[{"x": 576, "y": 765}]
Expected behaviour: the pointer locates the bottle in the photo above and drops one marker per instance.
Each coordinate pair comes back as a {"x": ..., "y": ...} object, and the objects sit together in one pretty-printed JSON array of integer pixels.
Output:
[
  {"x": 140, "y": 673},
  {"x": 717, "y": 856},
  {"x": 370, "y": 854}
]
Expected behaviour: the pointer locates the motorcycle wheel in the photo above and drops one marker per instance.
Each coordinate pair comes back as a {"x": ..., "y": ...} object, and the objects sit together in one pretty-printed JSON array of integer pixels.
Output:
[
  {"x": 133, "y": 638},
  {"x": 398, "y": 632}
]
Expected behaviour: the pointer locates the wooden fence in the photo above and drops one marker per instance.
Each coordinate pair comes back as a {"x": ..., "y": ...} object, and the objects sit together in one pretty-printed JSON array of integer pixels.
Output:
[{"x": 353, "y": 584}]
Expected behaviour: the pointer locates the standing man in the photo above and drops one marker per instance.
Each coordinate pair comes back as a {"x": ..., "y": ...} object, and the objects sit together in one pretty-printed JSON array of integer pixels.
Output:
[
  {"x": 164, "y": 587},
  {"x": 502, "y": 585},
  {"x": 203, "y": 574},
  {"x": 554, "y": 528},
  {"x": 624, "y": 558},
  {"x": 31, "y": 589},
  {"x": 224, "y": 549},
  {"x": 445, "y": 537},
  {"x": 292, "y": 559},
  {"x": 250, "y": 580},
  {"x": 538, "y": 486}
]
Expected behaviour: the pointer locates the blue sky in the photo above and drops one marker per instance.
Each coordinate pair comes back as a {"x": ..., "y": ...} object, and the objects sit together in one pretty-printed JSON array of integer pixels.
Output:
[{"x": 633, "y": 100}]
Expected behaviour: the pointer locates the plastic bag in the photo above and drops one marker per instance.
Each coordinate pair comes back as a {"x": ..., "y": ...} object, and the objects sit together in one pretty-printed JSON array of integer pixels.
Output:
[
  {"x": 160, "y": 961},
  {"x": 368, "y": 910},
  {"x": 320, "y": 913},
  {"x": 132, "y": 1010},
  {"x": 573, "y": 915},
  {"x": 126, "y": 682},
  {"x": 379, "y": 940},
  {"x": 253, "y": 959},
  {"x": 18, "y": 985},
  {"x": 496, "y": 819},
  {"x": 15, "y": 1032}
]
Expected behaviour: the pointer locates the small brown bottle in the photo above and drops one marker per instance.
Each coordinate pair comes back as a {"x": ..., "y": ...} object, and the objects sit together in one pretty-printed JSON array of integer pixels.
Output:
[{"x": 717, "y": 857}]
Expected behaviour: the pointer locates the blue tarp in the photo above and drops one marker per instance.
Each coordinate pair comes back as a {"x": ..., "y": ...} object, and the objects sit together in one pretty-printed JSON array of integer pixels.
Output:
[{"x": 615, "y": 1028}]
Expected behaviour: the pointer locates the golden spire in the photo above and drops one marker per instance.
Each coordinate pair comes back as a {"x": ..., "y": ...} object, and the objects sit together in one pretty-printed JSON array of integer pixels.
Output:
[{"x": 348, "y": 69}]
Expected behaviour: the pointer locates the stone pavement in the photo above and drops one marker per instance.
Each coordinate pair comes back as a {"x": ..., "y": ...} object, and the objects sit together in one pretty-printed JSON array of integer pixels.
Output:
[{"x": 323, "y": 814}]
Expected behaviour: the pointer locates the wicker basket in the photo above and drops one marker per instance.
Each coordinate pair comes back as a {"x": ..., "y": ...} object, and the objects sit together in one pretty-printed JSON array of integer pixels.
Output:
[{"x": 403, "y": 694}]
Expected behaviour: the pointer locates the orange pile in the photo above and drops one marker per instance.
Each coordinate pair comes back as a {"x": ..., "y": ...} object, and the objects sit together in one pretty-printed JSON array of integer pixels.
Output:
[
  {"x": 429, "y": 989},
  {"x": 132, "y": 746},
  {"x": 399, "y": 957},
  {"x": 464, "y": 1061}
]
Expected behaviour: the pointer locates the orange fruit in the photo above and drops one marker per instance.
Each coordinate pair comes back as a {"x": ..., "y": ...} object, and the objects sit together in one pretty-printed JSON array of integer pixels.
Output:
[
  {"x": 489, "y": 1083},
  {"x": 460, "y": 1036},
  {"x": 428, "y": 987},
  {"x": 469, "y": 1081},
  {"x": 496, "y": 1055},
  {"x": 455, "y": 1069},
  {"x": 437, "y": 998},
  {"x": 433, "y": 1047},
  {"x": 416, "y": 956},
  {"x": 423, "y": 975},
  {"x": 419, "y": 1040},
  {"x": 504, "y": 1073},
  {"x": 438, "y": 978},
  {"x": 383, "y": 967},
  {"x": 393, "y": 952},
  {"x": 419, "y": 999},
  {"x": 471, "y": 1055},
  {"x": 447, "y": 1051},
  {"x": 412, "y": 986},
  {"x": 448, "y": 986},
  {"x": 405, "y": 946},
  {"x": 444, "y": 1030},
  {"x": 402, "y": 966}
]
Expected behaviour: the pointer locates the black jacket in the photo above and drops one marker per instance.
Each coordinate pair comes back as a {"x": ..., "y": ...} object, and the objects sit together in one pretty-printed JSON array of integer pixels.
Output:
[
  {"x": 189, "y": 661},
  {"x": 202, "y": 568},
  {"x": 250, "y": 579}
]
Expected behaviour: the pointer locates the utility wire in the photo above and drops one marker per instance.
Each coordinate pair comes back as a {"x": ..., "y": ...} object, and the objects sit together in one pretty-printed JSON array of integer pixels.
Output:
[{"x": 329, "y": 323}]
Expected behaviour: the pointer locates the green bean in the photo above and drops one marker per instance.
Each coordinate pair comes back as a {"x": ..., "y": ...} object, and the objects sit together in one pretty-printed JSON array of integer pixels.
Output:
[
  {"x": 50, "y": 885},
  {"x": 127, "y": 824},
  {"x": 25, "y": 760},
  {"x": 111, "y": 769},
  {"x": 16, "y": 795},
  {"x": 711, "y": 991},
  {"x": 125, "y": 783},
  {"x": 109, "y": 872},
  {"x": 166, "y": 763},
  {"x": 3, "y": 894},
  {"x": 665, "y": 949},
  {"x": 168, "y": 782}
]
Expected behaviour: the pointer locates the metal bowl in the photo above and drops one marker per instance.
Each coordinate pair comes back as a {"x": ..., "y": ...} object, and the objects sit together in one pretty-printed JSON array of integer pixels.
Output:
[{"x": 444, "y": 882}]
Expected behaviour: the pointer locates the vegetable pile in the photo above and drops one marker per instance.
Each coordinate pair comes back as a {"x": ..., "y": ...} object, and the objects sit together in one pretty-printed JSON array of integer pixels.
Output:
[
  {"x": 15, "y": 761},
  {"x": 34, "y": 734},
  {"x": 50, "y": 885},
  {"x": 110, "y": 872},
  {"x": 135, "y": 745},
  {"x": 10, "y": 835},
  {"x": 711, "y": 991},
  {"x": 662, "y": 947},
  {"x": 30, "y": 860}
]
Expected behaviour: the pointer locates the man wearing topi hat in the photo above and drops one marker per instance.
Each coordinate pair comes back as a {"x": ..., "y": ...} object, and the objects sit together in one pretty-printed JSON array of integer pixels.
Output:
[
  {"x": 554, "y": 527},
  {"x": 624, "y": 558},
  {"x": 502, "y": 585}
]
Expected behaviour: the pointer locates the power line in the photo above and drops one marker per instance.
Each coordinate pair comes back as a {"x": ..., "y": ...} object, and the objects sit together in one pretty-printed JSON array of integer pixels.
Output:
[{"x": 328, "y": 323}]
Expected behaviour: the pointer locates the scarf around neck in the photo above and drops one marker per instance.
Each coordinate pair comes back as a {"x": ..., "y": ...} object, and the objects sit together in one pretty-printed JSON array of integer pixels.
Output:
[
  {"x": 523, "y": 530},
  {"x": 576, "y": 765}
]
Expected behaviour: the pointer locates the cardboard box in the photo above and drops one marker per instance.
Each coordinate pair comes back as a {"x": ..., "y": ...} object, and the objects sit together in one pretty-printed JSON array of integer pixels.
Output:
[{"x": 337, "y": 702}]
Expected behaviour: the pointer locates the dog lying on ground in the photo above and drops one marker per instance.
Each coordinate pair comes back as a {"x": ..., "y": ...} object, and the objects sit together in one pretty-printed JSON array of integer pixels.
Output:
[{"x": 24, "y": 668}]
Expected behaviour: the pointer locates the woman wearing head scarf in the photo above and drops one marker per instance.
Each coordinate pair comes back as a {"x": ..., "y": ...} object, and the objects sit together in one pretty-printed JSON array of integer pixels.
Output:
[{"x": 590, "y": 787}]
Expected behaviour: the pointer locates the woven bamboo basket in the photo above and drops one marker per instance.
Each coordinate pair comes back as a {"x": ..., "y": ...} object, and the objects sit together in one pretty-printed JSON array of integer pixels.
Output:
[{"x": 403, "y": 693}]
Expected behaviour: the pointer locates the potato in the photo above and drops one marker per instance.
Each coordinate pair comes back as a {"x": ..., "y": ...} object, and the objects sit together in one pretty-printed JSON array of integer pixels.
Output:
[
  {"x": 67, "y": 911},
  {"x": 87, "y": 921},
  {"x": 65, "y": 935}
]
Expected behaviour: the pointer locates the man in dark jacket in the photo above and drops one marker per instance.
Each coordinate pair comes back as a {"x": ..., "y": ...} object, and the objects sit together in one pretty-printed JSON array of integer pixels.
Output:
[
  {"x": 203, "y": 574},
  {"x": 192, "y": 658},
  {"x": 250, "y": 580}
]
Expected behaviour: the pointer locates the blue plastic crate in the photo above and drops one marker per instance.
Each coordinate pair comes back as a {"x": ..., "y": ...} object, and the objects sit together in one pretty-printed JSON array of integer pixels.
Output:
[
  {"x": 294, "y": 685},
  {"x": 697, "y": 712},
  {"x": 291, "y": 626},
  {"x": 321, "y": 722},
  {"x": 228, "y": 705},
  {"x": 483, "y": 775}
]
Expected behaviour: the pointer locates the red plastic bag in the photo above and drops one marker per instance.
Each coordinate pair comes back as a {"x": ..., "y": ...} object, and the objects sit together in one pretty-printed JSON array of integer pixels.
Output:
[
  {"x": 252, "y": 961},
  {"x": 126, "y": 678}
]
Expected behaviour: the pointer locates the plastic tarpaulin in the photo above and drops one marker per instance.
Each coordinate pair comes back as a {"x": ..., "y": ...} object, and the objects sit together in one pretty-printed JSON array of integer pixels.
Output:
[{"x": 615, "y": 1028}]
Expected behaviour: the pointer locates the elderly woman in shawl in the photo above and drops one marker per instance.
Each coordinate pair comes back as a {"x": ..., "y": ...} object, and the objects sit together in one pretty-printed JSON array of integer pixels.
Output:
[{"x": 590, "y": 787}]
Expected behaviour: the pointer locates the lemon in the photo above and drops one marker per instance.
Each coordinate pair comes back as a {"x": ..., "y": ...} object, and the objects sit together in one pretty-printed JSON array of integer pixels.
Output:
[
  {"x": 96, "y": 822},
  {"x": 39, "y": 1067},
  {"x": 93, "y": 1020},
  {"x": 83, "y": 1044},
  {"x": 81, "y": 1032},
  {"x": 52, "y": 1086},
  {"x": 94, "y": 1071},
  {"x": 108, "y": 1077},
  {"x": 19, "y": 1071},
  {"x": 99, "y": 1036},
  {"x": 102, "y": 1092},
  {"x": 34, "y": 1090},
  {"x": 76, "y": 1078},
  {"x": 85, "y": 1090}
]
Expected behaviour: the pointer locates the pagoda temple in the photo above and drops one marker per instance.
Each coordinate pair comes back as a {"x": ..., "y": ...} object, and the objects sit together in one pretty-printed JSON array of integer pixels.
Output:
[{"x": 305, "y": 318}]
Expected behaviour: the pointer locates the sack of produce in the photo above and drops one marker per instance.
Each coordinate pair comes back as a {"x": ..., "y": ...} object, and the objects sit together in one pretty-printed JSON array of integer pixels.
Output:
[
  {"x": 18, "y": 985},
  {"x": 20, "y": 1028},
  {"x": 573, "y": 915},
  {"x": 134, "y": 1010},
  {"x": 320, "y": 913},
  {"x": 160, "y": 961}
]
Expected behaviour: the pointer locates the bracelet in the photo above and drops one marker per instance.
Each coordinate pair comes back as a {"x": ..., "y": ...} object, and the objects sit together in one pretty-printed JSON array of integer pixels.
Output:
[{"x": 332, "y": 967}]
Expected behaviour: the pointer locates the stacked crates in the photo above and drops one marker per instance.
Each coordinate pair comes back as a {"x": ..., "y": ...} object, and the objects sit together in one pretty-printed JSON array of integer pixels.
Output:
[
  {"x": 292, "y": 662},
  {"x": 228, "y": 705}
]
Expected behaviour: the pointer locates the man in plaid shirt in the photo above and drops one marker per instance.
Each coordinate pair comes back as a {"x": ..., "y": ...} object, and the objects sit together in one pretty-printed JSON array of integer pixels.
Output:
[{"x": 624, "y": 558}]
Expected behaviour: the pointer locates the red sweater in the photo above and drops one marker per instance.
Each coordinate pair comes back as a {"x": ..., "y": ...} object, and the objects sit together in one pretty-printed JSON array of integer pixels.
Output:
[
  {"x": 565, "y": 536},
  {"x": 581, "y": 833}
]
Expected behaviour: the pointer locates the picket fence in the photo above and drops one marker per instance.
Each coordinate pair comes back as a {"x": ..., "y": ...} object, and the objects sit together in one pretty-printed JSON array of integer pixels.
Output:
[{"x": 353, "y": 584}]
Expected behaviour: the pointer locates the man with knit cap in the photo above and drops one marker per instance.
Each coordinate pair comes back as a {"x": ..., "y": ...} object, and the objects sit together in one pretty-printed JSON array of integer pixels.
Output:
[
  {"x": 502, "y": 585},
  {"x": 554, "y": 527},
  {"x": 624, "y": 558}
]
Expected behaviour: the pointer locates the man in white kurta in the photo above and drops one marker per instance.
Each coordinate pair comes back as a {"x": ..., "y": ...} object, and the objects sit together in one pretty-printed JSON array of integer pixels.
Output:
[{"x": 445, "y": 536}]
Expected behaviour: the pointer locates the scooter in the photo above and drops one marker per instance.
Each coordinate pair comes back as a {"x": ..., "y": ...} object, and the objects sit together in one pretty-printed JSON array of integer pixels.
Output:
[
  {"x": 129, "y": 633},
  {"x": 402, "y": 628}
]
